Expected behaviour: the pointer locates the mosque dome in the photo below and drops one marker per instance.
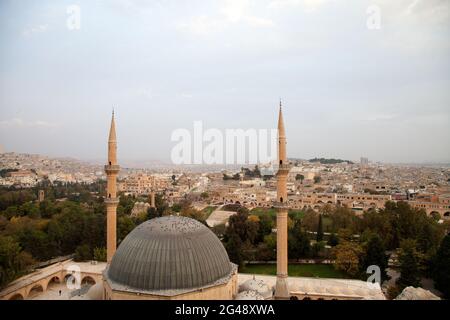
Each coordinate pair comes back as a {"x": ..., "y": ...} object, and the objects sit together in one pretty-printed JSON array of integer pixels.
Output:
[
  {"x": 249, "y": 295},
  {"x": 169, "y": 253},
  {"x": 258, "y": 286}
]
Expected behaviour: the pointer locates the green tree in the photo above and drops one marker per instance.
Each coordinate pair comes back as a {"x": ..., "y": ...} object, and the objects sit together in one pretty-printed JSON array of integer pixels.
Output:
[
  {"x": 333, "y": 240},
  {"x": 441, "y": 275},
  {"x": 374, "y": 254},
  {"x": 347, "y": 256},
  {"x": 310, "y": 220},
  {"x": 83, "y": 253},
  {"x": 124, "y": 226},
  {"x": 13, "y": 261},
  {"x": 298, "y": 242},
  {"x": 204, "y": 195},
  {"x": 100, "y": 254},
  {"x": 233, "y": 247},
  {"x": 265, "y": 227},
  {"x": 319, "y": 230},
  {"x": 409, "y": 265}
]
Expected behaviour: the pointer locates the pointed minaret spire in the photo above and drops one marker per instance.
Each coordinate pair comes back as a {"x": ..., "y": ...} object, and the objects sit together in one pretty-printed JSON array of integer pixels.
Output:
[
  {"x": 112, "y": 142},
  {"x": 281, "y": 138},
  {"x": 112, "y": 130}
]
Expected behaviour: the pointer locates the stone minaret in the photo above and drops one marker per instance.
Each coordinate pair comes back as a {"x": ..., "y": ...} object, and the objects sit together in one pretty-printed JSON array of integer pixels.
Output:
[
  {"x": 152, "y": 194},
  {"x": 111, "y": 169},
  {"x": 281, "y": 288}
]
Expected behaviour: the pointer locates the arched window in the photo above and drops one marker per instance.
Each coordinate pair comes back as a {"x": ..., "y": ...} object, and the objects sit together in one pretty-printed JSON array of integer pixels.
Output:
[
  {"x": 281, "y": 162},
  {"x": 281, "y": 199}
]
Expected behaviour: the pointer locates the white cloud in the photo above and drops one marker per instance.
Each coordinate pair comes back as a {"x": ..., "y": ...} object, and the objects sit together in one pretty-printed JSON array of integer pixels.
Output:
[
  {"x": 35, "y": 29},
  {"x": 259, "y": 22},
  {"x": 231, "y": 12},
  {"x": 308, "y": 5},
  {"x": 187, "y": 95},
  {"x": 21, "y": 123},
  {"x": 414, "y": 24},
  {"x": 381, "y": 117},
  {"x": 203, "y": 25}
]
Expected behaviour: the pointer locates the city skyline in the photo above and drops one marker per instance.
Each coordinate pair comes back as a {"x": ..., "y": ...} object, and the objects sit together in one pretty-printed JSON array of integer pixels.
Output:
[{"x": 348, "y": 91}]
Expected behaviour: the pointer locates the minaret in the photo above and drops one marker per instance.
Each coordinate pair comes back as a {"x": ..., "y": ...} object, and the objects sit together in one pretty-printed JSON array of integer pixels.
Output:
[
  {"x": 281, "y": 288},
  {"x": 111, "y": 201},
  {"x": 152, "y": 194}
]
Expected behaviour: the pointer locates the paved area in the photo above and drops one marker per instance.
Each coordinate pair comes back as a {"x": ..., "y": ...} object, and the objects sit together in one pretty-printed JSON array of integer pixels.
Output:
[
  {"x": 337, "y": 287},
  {"x": 219, "y": 217}
]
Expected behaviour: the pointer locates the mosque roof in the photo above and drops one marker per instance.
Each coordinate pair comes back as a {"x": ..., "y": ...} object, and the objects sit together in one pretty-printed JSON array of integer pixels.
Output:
[{"x": 169, "y": 253}]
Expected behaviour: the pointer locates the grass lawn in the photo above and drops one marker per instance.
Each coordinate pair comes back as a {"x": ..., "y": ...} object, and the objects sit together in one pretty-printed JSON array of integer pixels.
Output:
[
  {"x": 264, "y": 211},
  {"x": 208, "y": 210},
  {"x": 271, "y": 212},
  {"x": 296, "y": 270}
]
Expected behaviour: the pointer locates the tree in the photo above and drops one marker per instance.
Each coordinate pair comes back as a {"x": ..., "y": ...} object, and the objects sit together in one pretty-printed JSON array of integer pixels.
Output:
[
  {"x": 233, "y": 246},
  {"x": 300, "y": 177},
  {"x": 204, "y": 195},
  {"x": 152, "y": 213},
  {"x": 100, "y": 254},
  {"x": 13, "y": 261},
  {"x": 83, "y": 253},
  {"x": 319, "y": 230},
  {"x": 409, "y": 265},
  {"x": 265, "y": 226},
  {"x": 310, "y": 220},
  {"x": 298, "y": 242},
  {"x": 343, "y": 218},
  {"x": 317, "y": 179},
  {"x": 375, "y": 255},
  {"x": 441, "y": 275},
  {"x": 347, "y": 256},
  {"x": 240, "y": 225},
  {"x": 333, "y": 240},
  {"x": 124, "y": 226}
]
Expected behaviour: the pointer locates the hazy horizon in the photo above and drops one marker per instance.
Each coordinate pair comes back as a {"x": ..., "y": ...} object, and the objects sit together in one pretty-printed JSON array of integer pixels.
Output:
[{"x": 348, "y": 91}]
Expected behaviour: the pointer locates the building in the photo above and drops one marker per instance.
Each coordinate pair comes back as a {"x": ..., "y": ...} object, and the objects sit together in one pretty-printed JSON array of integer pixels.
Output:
[
  {"x": 169, "y": 258},
  {"x": 164, "y": 258},
  {"x": 175, "y": 257},
  {"x": 364, "y": 162}
]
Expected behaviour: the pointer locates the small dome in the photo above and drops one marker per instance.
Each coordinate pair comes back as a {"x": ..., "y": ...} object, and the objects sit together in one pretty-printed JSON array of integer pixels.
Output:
[
  {"x": 169, "y": 252},
  {"x": 96, "y": 291},
  {"x": 249, "y": 295},
  {"x": 258, "y": 286}
]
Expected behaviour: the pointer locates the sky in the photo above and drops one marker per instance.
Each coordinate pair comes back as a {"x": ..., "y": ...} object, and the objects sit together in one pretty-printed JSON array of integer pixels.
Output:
[{"x": 357, "y": 78}]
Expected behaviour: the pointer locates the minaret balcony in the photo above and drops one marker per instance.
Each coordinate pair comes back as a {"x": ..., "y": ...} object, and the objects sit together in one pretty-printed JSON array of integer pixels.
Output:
[
  {"x": 284, "y": 168},
  {"x": 280, "y": 205},
  {"x": 112, "y": 168},
  {"x": 112, "y": 201}
]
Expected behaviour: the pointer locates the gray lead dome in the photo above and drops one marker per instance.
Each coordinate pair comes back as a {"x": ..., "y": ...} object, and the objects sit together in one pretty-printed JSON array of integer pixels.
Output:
[{"x": 169, "y": 253}]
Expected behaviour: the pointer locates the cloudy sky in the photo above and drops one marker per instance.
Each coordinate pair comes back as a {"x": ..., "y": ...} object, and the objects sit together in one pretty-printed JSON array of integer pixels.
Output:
[{"x": 350, "y": 89}]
